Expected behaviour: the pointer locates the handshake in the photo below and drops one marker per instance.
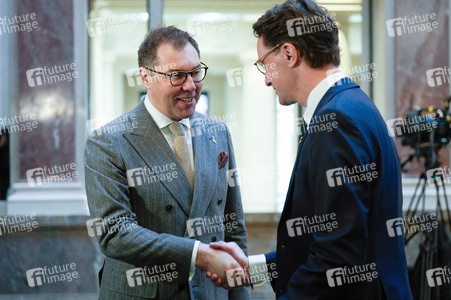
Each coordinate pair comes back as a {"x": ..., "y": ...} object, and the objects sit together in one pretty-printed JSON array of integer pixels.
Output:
[{"x": 225, "y": 264}]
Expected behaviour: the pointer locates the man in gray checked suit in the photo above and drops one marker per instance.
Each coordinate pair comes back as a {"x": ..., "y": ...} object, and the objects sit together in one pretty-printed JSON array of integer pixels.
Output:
[{"x": 157, "y": 184}]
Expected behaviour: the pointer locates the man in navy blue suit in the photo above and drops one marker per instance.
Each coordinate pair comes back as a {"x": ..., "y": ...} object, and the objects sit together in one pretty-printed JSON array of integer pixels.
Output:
[{"x": 338, "y": 236}]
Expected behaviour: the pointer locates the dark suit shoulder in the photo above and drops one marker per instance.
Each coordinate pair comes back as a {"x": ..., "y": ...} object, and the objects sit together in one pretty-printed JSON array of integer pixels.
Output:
[{"x": 351, "y": 108}]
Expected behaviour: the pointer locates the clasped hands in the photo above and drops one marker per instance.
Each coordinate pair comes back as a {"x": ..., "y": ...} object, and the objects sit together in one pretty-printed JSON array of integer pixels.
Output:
[{"x": 225, "y": 263}]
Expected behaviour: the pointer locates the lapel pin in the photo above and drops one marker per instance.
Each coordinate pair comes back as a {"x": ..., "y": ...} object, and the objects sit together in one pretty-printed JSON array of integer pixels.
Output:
[{"x": 213, "y": 139}]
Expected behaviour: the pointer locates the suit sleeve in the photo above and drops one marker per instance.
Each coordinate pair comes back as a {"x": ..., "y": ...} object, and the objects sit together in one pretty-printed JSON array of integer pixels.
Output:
[
  {"x": 238, "y": 233},
  {"x": 109, "y": 199},
  {"x": 346, "y": 146}
]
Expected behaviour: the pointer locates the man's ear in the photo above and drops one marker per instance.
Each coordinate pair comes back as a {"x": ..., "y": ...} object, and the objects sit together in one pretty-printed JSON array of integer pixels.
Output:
[
  {"x": 290, "y": 54},
  {"x": 145, "y": 77}
]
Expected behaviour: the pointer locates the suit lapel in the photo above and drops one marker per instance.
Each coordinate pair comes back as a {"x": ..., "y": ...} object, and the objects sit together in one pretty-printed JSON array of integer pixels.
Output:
[
  {"x": 206, "y": 166},
  {"x": 343, "y": 84},
  {"x": 152, "y": 147}
]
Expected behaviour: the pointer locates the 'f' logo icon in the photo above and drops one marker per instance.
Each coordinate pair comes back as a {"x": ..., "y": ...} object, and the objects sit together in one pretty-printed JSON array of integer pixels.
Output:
[
  {"x": 395, "y": 127},
  {"x": 435, "y": 277},
  {"x": 236, "y": 77},
  {"x": 35, "y": 277},
  {"x": 135, "y": 277},
  {"x": 232, "y": 176},
  {"x": 95, "y": 227},
  {"x": 234, "y": 277},
  {"x": 133, "y": 77},
  {"x": 195, "y": 227},
  {"x": 335, "y": 277},
  {"x": 95, "y": 27},
  {"x": 335, "y": 177},
  {"x": 395, "y": 27},
  {"x": 436, "y": 77},
  {"x": 395, "y": 227},
  {"x": 135, "y": 177},
  {"x": 294, "y": 227},
  {"x": 296, "y": 27},
  {"x": 35, "y": 177},
  {"x": 435, "y": 176},
  {"x": 35, "y": 77}
]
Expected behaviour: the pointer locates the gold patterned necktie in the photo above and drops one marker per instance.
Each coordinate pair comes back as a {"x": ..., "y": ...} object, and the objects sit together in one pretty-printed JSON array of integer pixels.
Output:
[{"x": 181, "y": 149}]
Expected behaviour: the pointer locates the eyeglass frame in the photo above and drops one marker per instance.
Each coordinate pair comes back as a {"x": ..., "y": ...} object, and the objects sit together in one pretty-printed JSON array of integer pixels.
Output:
[
  {"x": 259, "y": 61},
  {"x": 170, "y": 74}
]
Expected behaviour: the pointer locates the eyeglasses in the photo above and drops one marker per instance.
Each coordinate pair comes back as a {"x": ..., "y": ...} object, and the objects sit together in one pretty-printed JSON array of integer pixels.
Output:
[
  {"x": 259, "y": 63},
  {"x": 178, "y": 78}
]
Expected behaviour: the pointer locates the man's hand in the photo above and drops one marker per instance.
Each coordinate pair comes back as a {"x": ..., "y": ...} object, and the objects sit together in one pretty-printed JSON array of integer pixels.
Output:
[
  {"x": 216, "y": 262},
  {"x": 235, "y": 251}
]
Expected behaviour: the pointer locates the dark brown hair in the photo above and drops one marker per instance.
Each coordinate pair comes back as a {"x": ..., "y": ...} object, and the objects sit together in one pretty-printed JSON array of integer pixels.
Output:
[
  {"x": 317, "y": 44},
  {"x": 147, "y": 53}
]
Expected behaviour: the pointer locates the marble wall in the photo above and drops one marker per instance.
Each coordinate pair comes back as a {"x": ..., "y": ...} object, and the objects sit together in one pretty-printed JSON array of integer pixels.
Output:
[
  {"x": 45, "y": 87},
  {"x": 420, "y": 45}
]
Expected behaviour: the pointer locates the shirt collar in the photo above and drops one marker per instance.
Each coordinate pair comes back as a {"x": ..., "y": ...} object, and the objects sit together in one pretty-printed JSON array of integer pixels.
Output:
[
  {"x": 159, "y": 118},
  {"x": 318, "y": 93}
]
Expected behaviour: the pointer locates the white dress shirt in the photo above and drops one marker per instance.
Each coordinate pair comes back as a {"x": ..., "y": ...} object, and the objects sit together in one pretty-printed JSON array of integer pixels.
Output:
[{"x": 163, "y": 123}]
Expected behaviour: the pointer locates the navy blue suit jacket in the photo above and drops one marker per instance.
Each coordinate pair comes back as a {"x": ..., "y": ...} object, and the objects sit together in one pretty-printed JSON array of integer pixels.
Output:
[{"x": 333, "y": 179}]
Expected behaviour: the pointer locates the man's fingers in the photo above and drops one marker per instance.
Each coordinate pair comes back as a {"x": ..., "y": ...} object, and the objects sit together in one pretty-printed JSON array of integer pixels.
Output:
[
  {"x": 221, "y": 245},
  {"x": 218, "y": 282}
]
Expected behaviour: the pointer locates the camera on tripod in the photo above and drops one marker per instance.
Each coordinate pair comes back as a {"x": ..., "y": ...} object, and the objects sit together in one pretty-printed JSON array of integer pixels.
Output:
[
  {"x": 425, "y": 126},
  {"x": 427, "y": 130}
]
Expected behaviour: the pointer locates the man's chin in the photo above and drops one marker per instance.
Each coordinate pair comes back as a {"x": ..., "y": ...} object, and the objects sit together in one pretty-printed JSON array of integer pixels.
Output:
[
  {"x": 187, "y": 113},
  {"x": 285, "y": 102}
]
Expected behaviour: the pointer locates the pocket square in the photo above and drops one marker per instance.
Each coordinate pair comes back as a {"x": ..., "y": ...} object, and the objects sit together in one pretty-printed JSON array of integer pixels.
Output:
[{"x": 222, "y": 159}]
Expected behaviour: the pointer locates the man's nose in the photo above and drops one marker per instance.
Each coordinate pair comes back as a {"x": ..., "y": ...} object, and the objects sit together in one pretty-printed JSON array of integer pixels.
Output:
[
  {"x": 189, "y": 84},
  {"x": 268, "y": 80}
]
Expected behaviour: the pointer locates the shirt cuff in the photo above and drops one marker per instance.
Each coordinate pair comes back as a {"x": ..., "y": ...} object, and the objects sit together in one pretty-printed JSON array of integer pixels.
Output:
[
  {"x": 192, "y": 268},
  {"x": 258, "y": 270}
]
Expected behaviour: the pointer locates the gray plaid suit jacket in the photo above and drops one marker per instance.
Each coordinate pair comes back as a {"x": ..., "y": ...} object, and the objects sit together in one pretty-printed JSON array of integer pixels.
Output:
[{"x": 140, "y": 195}]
